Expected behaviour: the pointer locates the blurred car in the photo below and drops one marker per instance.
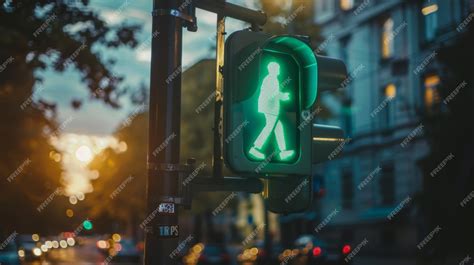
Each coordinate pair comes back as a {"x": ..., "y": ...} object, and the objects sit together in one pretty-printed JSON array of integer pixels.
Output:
[
  {"x": 311, "y": 250},
  {"x": 127, "y": 251},
  {"x": 122, "y": 250},
  {"x": 29, "y": 249},
  {"x": 9, "y": 254},
  {"x": 209, "y": 254}
]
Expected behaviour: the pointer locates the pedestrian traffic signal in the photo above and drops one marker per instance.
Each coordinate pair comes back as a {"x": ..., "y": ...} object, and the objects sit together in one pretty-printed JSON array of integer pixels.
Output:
[{"x": 270, "y": 89}]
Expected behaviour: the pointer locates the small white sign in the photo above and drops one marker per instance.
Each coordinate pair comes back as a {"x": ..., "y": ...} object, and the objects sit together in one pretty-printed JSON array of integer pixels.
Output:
[{"x": 166, "y": 207}]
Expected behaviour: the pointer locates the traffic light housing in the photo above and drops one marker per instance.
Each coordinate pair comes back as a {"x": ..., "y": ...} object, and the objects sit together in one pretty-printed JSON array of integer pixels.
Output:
[
  {"x": 270, "y": 89},
  {"x": 285, "y": 195}
]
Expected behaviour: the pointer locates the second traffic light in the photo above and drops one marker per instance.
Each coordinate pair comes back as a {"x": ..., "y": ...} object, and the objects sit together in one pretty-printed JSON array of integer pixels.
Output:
[{"x": 270, "y": 89}]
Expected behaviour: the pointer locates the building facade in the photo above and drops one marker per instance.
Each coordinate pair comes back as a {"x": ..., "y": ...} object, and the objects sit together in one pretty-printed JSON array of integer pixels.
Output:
[{"x": 390, "y": 49}]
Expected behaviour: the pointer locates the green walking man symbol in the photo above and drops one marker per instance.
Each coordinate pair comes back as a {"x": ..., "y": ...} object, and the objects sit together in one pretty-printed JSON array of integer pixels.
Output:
[{"x": 269, "y": 105}]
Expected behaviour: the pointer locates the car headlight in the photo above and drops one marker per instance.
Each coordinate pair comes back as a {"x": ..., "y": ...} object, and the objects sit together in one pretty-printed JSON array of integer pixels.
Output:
[{"x": 37, "y": 252}]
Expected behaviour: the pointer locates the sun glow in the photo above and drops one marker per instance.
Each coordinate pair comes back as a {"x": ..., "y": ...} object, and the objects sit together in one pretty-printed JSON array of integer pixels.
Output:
[
  {"x": 84, "y": 154},
  {"x": 77, "y": 151}
]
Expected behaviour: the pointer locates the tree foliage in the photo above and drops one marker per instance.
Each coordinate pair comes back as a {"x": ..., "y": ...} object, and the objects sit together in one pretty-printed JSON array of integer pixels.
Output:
[{"x": 36, "y": 36}]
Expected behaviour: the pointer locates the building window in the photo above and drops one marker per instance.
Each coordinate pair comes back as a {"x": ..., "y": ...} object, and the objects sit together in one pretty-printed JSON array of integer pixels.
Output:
[
  {"x": 347, "y": 190},
  {"x": 346, "y": 4},
  {"x": 390, "y": 91},
  {"x": 387, "y": 186},
  {"x": 387, "y": 39},
  {"x": 432, "y": 98},
  {"x": 387, "y": 112},
  {"x": 430, "y": 14}
]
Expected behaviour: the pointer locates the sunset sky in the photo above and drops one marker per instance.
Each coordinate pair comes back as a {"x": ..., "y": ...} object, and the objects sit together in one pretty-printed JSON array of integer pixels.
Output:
[{"x": 96, "y": 118}]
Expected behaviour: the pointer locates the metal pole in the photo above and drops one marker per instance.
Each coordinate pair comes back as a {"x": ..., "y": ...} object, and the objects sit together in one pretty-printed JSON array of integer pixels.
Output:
[
  {"x": 233, "y": 11},
  {"x": 218, "y": 141},
  {"x": 164, "y": 131}
]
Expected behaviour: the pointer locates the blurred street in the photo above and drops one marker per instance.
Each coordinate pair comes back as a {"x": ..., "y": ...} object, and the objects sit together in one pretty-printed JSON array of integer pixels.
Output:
[
  {"x": 88, "y": 253},
  {"x": 80, "y": 255}
]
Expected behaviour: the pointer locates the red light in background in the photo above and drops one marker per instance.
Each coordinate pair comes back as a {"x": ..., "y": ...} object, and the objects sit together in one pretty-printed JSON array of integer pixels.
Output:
[
  {"x": 316, "y": 251},
  {"x": 346, "y": 249}
]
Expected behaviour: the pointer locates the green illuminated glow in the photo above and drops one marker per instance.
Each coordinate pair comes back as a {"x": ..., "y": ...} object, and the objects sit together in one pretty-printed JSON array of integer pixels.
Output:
[
  {"x": 87, "y": 225},
  {"x": 269, "y": 105}
]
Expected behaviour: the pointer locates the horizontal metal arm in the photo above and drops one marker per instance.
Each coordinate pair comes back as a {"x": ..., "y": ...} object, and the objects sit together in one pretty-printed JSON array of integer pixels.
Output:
[
  {"x": 233, "y": 11},
  {"x": 327, "y": 142}
]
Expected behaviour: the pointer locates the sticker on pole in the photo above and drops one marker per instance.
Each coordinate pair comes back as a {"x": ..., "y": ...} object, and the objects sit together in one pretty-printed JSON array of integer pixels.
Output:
[
  {"x": 168, "y": 231},
  {"x": 166, "y": 208}
]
